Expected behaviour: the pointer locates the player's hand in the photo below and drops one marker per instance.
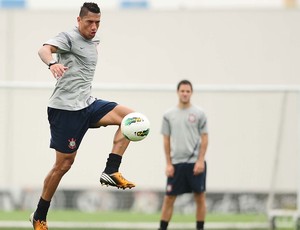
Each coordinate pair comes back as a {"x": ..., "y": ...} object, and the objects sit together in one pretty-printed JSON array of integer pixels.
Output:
[
  {"x": 199, "y": 167},
  {"x": 170, "y": 170},
  {"x": 58, "y": 70}
]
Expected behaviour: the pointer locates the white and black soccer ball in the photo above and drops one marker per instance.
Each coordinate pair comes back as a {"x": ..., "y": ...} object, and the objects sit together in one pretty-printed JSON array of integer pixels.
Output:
[{"x": 135, "y": 126}]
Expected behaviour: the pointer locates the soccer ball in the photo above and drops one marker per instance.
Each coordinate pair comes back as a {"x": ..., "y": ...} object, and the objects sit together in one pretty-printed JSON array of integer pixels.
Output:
[{"x": 135, "y": 126}]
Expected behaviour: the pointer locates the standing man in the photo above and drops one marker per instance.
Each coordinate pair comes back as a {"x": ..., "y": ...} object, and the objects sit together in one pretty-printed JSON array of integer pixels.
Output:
[
  {"x": 72, "y": 110},
  {"x": 185, "y": 138}
]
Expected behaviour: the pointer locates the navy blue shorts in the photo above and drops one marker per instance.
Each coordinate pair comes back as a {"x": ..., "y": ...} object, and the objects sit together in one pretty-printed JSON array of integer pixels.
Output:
[
  {"x": 69, "y": 127},
  {"x": 184, "y": 180}
]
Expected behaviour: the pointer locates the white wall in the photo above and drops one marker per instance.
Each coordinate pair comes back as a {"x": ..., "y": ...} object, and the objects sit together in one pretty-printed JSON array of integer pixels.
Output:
[
  {"x": 160, "y": 47},
  {"x": 162, "y": 4}
]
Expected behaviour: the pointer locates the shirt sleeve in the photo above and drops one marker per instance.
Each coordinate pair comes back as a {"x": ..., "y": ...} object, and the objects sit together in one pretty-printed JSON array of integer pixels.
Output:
[
  {"x": 203, "y": 124},
  {"x": 62, "y": 41},
  {"x": 165, "y": 128}
]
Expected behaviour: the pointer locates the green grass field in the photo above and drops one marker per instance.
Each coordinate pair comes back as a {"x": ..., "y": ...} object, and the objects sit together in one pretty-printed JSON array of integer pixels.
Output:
[{"x": 122, "y": 216}]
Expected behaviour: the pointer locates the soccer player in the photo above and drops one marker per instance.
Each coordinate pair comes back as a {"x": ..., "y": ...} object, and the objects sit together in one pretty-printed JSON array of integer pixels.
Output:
[
  {"x": 185, "y": 139},
  {"x": 72, "y": 110}
]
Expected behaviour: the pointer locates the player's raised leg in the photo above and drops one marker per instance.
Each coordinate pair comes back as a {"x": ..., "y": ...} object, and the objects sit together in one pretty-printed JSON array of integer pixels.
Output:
[{"x": 111, "y": 175}]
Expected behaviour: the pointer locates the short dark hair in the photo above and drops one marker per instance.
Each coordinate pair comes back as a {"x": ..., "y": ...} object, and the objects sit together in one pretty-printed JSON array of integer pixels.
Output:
[
  {"x": 184, "y": 82},
  {"x": 89, "y": 7}
]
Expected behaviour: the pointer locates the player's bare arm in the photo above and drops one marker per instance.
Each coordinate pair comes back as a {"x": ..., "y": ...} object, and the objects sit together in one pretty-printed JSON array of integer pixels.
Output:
[
  {"x": 46, "y": 56},
  {"x": 199, "y": 165},
  {"x": 169, "y": 166}
]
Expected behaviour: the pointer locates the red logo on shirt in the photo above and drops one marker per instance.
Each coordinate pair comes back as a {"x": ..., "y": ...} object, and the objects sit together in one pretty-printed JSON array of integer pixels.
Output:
[{"x": 192, "y": 118}]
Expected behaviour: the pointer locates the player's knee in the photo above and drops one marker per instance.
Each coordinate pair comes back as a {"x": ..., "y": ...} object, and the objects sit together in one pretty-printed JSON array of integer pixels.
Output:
[
  {"x": 200, "y": 197},
  {"x": 170, "y": 199},
  {"x": 64, "y": 166}
]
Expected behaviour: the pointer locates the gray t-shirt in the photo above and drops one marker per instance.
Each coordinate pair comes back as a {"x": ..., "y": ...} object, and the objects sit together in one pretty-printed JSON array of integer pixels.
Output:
[
  {"x": 73, "y": 90},
  {"x": 184, "y": 126}
]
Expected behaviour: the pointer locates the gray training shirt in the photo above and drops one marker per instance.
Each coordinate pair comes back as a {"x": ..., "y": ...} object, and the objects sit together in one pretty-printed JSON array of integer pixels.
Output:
[
  {"x": 184, "y": 126},
  {"x": 73, "y": 90}
]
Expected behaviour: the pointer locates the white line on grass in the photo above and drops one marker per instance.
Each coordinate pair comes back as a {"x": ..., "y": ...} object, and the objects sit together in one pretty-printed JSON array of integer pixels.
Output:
[{"x": 126, "y": 225}]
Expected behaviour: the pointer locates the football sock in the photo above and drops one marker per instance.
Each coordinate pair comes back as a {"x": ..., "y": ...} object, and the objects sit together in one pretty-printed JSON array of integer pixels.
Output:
[
  {"x": 163, "y": 225},
  {"x": 200, "y": 225},
  {"x": 113, "y": 163},
  {"x": 42, "y": 210}
]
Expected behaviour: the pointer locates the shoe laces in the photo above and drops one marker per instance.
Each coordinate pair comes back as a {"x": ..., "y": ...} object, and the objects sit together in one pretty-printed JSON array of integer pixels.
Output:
[
  {"x": 120, "y": 176},
  {"x": 123, "y": 179},
  {"x": 43, "y": 224}
]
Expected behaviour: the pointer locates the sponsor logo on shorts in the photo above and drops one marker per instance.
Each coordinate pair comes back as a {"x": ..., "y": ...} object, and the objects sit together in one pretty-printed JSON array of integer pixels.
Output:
[
  {"x": 72, "y": 143},
  {"x": 169, "y": 188}
]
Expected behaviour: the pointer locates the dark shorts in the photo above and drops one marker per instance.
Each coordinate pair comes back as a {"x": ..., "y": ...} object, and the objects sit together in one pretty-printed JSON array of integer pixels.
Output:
[
  {"x": 69, "y": 127},
  {"x": 184, "y": 180}
]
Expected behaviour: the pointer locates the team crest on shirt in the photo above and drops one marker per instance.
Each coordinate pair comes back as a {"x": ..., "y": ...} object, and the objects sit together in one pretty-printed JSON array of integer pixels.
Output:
[
  {"x": 72, "y": 143},
  {"x": 192, "y": 118}
]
